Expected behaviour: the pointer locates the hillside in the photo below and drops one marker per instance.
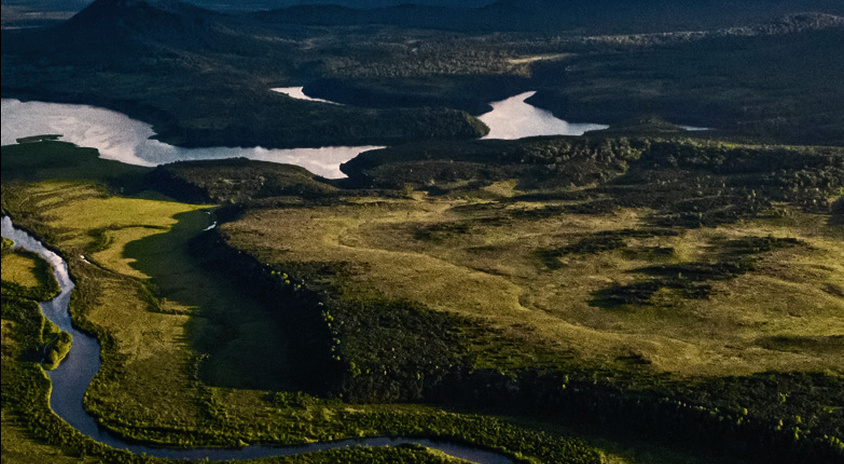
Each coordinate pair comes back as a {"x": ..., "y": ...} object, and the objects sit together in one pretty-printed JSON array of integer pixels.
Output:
[
  {"x": 668, "y": 289},
  {"x": 147, "y": 59},
  {"x": 202, "y": 78}
]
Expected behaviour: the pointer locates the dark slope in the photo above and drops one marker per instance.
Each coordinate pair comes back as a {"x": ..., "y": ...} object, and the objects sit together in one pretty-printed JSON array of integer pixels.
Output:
[
  {"x": 416, "y": 16},
  {"x": 777, "y": 83},
  {"x": 553, "y": 16},
  {"x": 640, "y": 16},
  {"x": 201, "y": 78},
  {"x": 112, "y": 29}
]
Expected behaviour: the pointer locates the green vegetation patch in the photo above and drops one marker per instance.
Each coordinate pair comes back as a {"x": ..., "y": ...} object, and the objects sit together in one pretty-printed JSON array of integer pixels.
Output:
[
  {"x": 536, "y": 162},
  {"x": 396, "y": 349},
  {"x": 27, "y": 280},
  {"x": 603, "y": 241},
  {"x": 699, "y": 292},
  {"x": 151, "y": 284},
  {"x": 236, "y": 180},
  {"x": 692, "y": 280},
  {"x": 51, "y": 159},
  {"x": 687, "y": 182},
  {"x": 764, "y": 85},
  {"x": 27, "y": 275}
]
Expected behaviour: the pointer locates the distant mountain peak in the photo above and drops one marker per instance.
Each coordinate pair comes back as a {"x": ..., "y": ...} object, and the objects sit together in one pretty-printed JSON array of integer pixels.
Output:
[
  {"x": 121, "y": 26},
  {"x": 138, "y": 10}
]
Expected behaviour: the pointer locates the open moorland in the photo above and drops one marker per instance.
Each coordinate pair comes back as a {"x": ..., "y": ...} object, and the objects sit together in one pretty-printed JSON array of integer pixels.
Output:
[
  {"x": 419, "y": 287},
  {"x": 682, "y": 279},
  {"x": 190, "y": 359},
  {"x": 644, "y": 294}
]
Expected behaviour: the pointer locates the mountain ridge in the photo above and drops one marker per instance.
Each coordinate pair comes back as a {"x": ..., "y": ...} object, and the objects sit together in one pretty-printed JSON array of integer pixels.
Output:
[{"x": 600, "y": 16}]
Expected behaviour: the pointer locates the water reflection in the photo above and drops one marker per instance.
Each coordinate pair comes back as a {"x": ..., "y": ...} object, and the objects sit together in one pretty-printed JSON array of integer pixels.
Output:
[
  {"x": 513, "y": 118},
  {"x": 299, "y": 94},
  {"x": 121, "y": 138}
]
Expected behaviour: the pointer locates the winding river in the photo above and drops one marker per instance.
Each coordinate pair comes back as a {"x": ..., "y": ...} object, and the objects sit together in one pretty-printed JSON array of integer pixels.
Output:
[
  {"x": 123, "y": 139},
  {"x": 74, "y": 374}
]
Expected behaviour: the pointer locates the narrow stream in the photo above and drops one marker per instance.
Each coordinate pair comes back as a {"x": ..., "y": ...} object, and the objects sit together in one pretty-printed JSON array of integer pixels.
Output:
[{"x": 74, "y": 374}]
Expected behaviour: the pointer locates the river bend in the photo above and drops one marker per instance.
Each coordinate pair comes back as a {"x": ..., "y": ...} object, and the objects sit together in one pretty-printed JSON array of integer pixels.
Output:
[{"x": 74, "y": 374}]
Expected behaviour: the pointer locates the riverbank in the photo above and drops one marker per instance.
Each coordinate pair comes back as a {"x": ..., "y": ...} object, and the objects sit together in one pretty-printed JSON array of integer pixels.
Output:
[
  {"x": 132, "y": 259},
  {"x": 233, "y": 430}
]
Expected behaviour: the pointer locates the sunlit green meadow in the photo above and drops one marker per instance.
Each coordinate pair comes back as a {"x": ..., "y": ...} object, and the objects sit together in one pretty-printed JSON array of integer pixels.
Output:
[
  {"x": 183, "y": 337},
  {"x": 483, "y": 261}
]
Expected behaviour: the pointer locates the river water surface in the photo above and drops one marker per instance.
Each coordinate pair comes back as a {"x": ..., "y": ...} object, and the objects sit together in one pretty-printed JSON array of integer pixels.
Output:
[{"x": 74, "y": 374}]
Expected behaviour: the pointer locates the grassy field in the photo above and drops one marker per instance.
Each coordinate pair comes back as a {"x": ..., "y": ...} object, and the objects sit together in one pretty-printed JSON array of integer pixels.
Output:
[
  {"x": 529, "y": 284},
  {"x": 26, "y": 275},
  {"x": 54, "y": 160},
  {"x": 28, "y": 279},
  {"x": 151, "y": 386},
  {"x": 483, "y": 281},
  {"x": 90, "y": 225},
  {"x": 176, "y": 337},
  {"x": 483, "y": 261},
  {"x": 22, "y": 270}
]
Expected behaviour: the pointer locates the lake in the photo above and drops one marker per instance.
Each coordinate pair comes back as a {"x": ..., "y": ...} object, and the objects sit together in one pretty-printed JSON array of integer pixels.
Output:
[
  {"x": 299, "y": 94},
  {"x": 121, "y": 138},
  {"x": 514, "y": 118}
]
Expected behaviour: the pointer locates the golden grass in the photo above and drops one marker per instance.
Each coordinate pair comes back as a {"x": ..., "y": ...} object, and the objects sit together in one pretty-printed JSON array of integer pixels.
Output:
[
  {"x": 490, "y": 273},
  {"x": 78, "y": 209},
  {"x": 155, "y": 345},
  {"x": 114, "y": 257},
  {"x": 488, "y": 269},
  {"x": 18, "y": 448},
  {"x": 20, "y": 269},
  {"x": 159, "y": 305}
]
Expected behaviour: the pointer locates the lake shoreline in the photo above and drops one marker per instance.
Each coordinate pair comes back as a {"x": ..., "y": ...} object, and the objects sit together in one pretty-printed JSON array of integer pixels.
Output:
[{"x": 119, "y": 137}]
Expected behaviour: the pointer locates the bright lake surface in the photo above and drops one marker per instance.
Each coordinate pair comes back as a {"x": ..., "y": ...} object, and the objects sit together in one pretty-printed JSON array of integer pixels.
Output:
[
  {"x": 299, "y": 94},
  {"x": 513, "y": 118},
  {"x": 127, "y": 140},
  {"x": 121, "y": 138},
  {"x": 74, "y": 374},
  {"x": 510, "y": 119}
]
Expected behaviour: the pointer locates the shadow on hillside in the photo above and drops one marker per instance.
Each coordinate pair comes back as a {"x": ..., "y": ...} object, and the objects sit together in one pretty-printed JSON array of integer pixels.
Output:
[{"x": 241, "y": 344}]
